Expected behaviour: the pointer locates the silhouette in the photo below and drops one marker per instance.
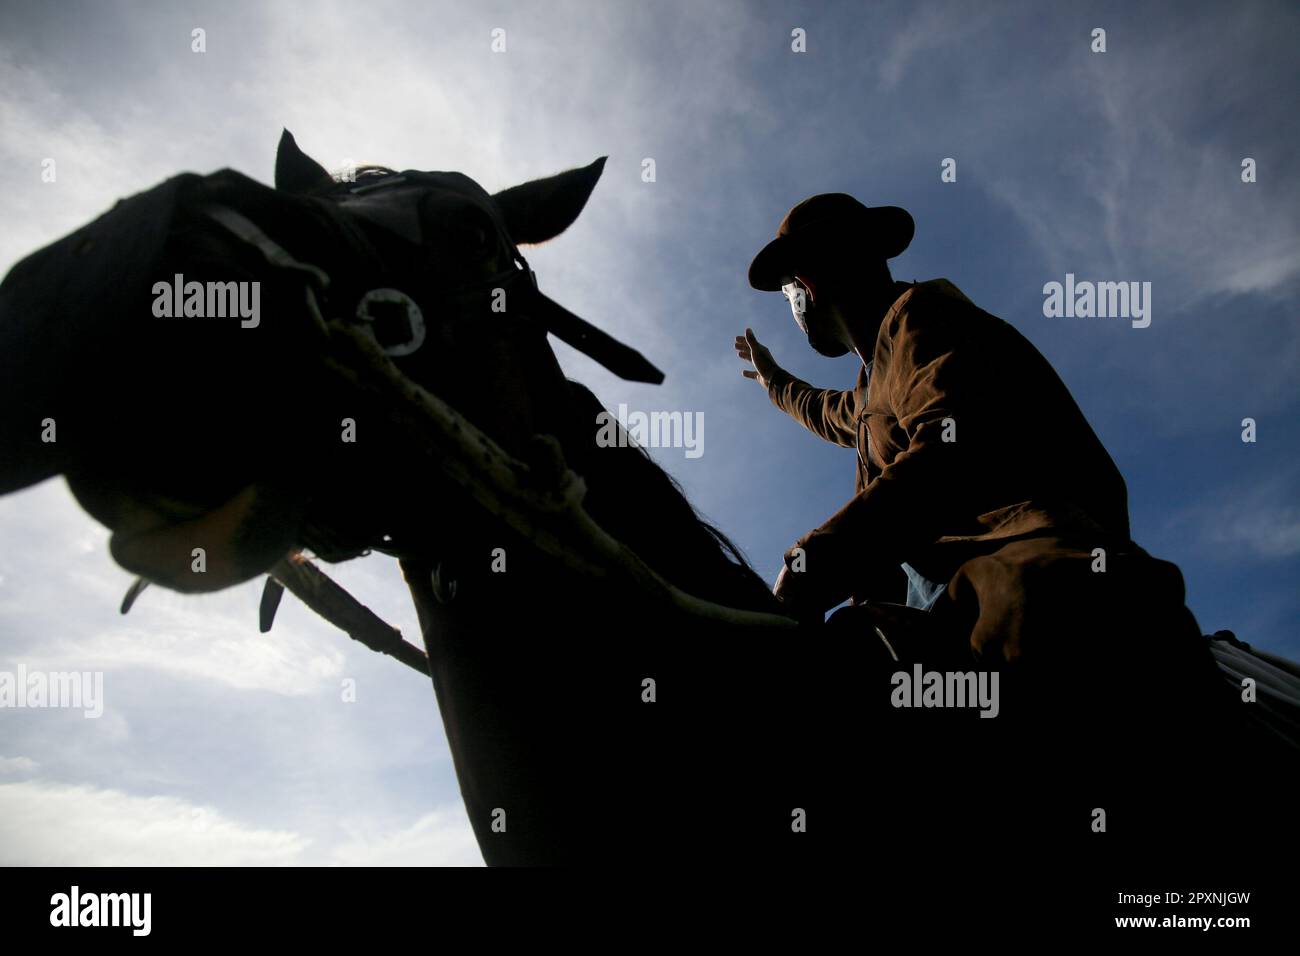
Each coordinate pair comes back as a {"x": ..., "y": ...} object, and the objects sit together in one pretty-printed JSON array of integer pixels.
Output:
[{"x": 642, "y": 698}]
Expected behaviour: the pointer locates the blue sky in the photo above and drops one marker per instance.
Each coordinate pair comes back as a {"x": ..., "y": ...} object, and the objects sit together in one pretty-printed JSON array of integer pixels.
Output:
[{"x": 220, "y": 745}]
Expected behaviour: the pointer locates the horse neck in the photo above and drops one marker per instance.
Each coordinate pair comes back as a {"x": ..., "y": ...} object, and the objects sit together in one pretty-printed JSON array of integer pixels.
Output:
[
  {"x": 640, "y": 505},
  {"x": 628, "y": 495}
]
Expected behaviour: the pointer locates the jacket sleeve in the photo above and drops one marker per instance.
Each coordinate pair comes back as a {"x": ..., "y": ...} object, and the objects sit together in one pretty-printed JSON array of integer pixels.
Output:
[
  {"x": 929, "y": 389},
  {"x": 829, "y": 413}
]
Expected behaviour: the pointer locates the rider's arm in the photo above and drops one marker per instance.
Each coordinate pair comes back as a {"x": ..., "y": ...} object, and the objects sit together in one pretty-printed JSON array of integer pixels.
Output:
[{"x": 829, "y": 413}]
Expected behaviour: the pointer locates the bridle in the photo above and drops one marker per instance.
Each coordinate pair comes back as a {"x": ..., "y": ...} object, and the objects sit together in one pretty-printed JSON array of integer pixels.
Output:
[
  {"x": 400, "y": 220},
  {"x": 550, "y": 515}
]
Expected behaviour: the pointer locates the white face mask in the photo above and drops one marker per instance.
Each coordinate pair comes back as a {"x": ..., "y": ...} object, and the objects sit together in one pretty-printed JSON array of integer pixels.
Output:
[{"x": 798, "y": 295}]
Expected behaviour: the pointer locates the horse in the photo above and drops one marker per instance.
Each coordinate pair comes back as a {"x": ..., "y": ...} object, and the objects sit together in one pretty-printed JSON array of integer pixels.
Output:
[{"x": 616, "y": 683}]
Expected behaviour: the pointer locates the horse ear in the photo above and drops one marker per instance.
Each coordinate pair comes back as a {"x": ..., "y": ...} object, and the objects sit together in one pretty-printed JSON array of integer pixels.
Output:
[
  {"x": 295, "y": 171},
  {"x": 544, "y": 208}
]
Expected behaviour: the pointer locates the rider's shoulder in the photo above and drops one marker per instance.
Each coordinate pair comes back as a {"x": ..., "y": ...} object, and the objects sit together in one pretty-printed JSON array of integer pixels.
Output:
[
  {"x": 933, "y": 292},
  {"x": 921, "y": 302}
]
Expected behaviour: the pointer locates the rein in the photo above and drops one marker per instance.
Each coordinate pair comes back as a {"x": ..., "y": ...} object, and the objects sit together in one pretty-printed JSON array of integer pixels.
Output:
[{"x": 542, "y": 501}]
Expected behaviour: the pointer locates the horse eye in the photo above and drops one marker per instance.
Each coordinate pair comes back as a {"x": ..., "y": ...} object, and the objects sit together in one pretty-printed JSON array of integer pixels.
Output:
[{"x": 477, "y": 235}]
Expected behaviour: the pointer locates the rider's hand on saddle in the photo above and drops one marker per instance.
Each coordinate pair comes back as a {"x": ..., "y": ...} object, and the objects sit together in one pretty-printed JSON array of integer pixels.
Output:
[
  {"x": 788, "y": 590},
  {"x": 807, "y": 596},
  {"x": 751, "y": 350},
  {"x": 820, "y": 571}
]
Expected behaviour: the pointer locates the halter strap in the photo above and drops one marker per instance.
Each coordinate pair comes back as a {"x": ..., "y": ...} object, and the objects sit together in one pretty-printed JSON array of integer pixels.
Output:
[{"x": 620, "y": 358}]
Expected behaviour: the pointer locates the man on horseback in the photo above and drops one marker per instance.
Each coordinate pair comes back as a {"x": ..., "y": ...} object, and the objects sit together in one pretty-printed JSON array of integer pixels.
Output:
[
  {"x": 984, "y": 500},
  {"x": 982, "y": 495}
]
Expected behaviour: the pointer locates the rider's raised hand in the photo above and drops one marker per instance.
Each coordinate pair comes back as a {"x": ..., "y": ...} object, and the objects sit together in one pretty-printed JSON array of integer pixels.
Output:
[{"x": 751, "y": 350}]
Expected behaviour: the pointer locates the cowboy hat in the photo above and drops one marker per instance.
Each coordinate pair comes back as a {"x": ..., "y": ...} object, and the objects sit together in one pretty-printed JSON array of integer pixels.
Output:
[{"x": 835, "y": 217}]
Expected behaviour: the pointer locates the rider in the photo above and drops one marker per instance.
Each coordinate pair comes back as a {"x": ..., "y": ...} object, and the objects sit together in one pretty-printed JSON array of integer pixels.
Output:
[
  {"x": 976, "y": 470},
  {"x": 978, "y": 475}
]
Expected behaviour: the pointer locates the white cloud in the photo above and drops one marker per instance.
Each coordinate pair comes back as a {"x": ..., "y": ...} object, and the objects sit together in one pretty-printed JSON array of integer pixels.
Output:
[
  {"x": 1166, "y": 201},
  {"x": 49, "y": 824},
  {"x": 201, "y": 646},
  {"x": 1260, "y": 522},
  {"x": 929, "y": 29},
  {"x": 55, "y": 824},
  {"x": 64, "y": 579},
  {"x": 443, "y": 836},
  {"x": 17, "y": 765},
  {"x": 1272, "y": 532}
]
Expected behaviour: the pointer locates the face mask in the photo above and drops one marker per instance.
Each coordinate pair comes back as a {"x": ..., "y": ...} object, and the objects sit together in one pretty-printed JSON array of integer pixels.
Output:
[
  {"x": 800, "y": 299},
  {"x": 801, "y": 306}
]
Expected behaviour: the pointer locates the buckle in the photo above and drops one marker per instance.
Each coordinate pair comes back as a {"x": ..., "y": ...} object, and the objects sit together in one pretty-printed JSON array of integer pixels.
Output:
[
  {"x": 390, "y": 314},
  {"x": 379, "y": 184}
]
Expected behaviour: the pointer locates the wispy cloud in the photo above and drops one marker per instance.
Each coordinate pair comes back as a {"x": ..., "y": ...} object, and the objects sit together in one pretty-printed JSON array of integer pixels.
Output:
[
  {"x": 1166, "y": 200},
  {"x": 926, "y": 32},
  {"x": 443, "y": 837},
  {"x": 52, "y": 824},
  {"x": 14, "y": 766},
  {"x": 45, "y": 824},
  {"x": 1257, "y": 520},
  {"x": 1266, "y": 524}
]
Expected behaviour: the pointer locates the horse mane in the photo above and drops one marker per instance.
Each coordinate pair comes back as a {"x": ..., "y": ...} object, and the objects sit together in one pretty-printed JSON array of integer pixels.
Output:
[{"x": 624, "y": 484}]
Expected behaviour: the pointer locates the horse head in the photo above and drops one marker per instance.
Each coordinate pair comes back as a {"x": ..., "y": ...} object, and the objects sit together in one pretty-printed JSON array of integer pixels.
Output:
[{"x": 188, "y": 435}]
